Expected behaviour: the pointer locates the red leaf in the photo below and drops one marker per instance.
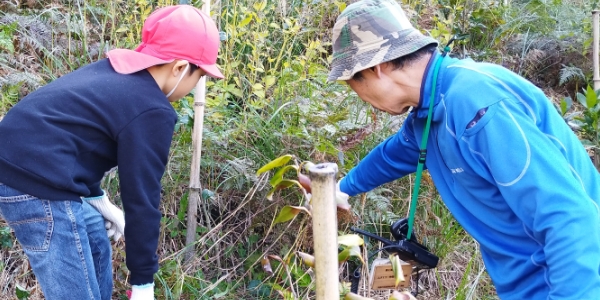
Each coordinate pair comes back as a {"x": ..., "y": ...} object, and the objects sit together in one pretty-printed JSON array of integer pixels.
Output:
[{"x": 304, "y": 181}]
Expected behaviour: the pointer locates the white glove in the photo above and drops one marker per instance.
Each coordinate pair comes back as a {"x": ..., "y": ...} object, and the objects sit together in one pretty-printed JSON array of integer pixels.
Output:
[
  {"x": 111, "y": 230},
  {"x": 113, "y": 216},
  {"x": 341, "y": 198},
  {"x": 142, "y": 292}
]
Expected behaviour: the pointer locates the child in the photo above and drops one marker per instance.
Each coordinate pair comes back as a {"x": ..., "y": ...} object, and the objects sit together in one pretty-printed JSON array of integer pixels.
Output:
[{"x": 58, "y": 142}]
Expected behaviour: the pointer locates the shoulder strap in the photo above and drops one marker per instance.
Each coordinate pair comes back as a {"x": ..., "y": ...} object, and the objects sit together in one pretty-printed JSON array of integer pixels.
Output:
[{"x": 423, "y": 148}]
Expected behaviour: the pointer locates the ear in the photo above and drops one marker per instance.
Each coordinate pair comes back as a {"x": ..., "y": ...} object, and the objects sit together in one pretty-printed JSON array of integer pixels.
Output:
[
  {"x": 178, "y": 67},
  {"x": 379, "y": 69}
]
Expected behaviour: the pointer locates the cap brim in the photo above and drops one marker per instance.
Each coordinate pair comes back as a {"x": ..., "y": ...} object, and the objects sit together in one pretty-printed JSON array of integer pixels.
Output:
[
  {"x": 126, "y": 61},
  {"x": 212, "y": 71}
]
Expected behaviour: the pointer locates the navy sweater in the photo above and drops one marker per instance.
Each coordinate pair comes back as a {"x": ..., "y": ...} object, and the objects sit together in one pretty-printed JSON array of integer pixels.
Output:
[{"x": 58, "y": 142}]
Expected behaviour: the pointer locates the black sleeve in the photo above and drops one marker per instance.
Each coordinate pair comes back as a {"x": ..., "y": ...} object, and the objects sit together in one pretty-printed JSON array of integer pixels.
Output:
[
  {"x": 95, "y": 190},
  {"x": 143, "y": 150}
]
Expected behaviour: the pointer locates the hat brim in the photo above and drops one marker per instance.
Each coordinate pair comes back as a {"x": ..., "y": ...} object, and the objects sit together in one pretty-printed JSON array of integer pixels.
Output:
[
  {"x": 397, "y": 45},
  {"x": 126, "y": 61},
  {"x": 212, "y": 71}
]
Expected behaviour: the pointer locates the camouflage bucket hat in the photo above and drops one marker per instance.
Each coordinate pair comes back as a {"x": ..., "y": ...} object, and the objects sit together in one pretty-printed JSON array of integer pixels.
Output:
[{"x": 371, "y": 32}]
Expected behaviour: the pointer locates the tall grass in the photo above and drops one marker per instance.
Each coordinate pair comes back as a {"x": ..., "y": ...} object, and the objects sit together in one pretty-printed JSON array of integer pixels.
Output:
[{"x": 274, "y": 100}]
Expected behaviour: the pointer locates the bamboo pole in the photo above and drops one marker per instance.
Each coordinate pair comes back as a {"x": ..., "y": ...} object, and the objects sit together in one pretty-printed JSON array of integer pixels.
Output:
[
  {"x": 195, "y": 185},
  {"x": 324, "y": 220},
  {"x": 596, "y": 66},
  {"x": 596, "y": 30}
]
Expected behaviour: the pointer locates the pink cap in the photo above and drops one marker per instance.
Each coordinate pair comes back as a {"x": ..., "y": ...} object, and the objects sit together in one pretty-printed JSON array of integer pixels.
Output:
[{"x": 169, "y": 33}]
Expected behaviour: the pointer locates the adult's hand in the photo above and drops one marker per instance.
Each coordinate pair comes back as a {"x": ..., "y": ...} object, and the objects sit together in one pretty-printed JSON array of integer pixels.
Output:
[{"x": 341, "y": 198}]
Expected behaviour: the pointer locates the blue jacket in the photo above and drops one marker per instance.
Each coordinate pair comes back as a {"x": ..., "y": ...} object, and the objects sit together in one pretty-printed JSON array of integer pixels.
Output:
[
  {"x": 516, "y": 178},
  {"x": 58, "y": 142}
]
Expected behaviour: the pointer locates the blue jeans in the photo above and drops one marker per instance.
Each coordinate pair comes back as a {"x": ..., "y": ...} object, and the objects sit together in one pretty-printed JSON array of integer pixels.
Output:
[{"x": 66, "y": 244}]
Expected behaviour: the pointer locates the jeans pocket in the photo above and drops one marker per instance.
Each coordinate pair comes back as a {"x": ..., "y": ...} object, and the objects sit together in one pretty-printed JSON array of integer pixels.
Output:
[{"x": 31, "y": 220}]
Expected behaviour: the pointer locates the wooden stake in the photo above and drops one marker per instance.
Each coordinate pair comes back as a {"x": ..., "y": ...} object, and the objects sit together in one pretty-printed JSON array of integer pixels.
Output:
[
  {"x": 194, "y": 197},
  {"x": 324, "y": 219},
  {"x": 596, "y": 30}
]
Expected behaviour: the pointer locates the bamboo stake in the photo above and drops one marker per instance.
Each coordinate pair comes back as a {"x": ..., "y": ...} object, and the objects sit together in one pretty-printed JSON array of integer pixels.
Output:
[
  {"x": 195, "y": 185},
  {"x": 596, "y": 66},
  {"x": 324, "y": 219},
  {"x": 596, "y": 26}
]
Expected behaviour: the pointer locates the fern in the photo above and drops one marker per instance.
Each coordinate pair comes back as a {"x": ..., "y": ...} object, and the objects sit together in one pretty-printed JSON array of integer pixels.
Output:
[
  {"x": 32, "y": 31},
  {"x": 380, "y": 208},
  {"x": 9, "y": 96},
  {"x": 571, "y": 73},
  {"x": 238, "y": 172},
  {"x": 29, "y": 80}
]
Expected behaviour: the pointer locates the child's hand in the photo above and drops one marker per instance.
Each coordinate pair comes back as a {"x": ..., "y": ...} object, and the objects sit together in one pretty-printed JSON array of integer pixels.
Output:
[
  {"x": 142, "y": 292},
  {"x": 114, "y": 216}
]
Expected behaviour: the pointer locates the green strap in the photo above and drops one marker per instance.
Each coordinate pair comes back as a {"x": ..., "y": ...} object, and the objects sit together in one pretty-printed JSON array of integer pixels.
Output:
[{"x": 423, "y": 149}]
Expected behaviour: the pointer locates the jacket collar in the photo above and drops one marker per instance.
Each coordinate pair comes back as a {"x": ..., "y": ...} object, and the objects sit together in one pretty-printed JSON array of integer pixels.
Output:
[{"x": 421, "y": 110}]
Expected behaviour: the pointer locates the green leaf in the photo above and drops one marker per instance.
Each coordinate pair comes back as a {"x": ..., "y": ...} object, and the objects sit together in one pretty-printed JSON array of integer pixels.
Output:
[
  {"x": 279, "y": 174},
  {"x": 591, "y": 97},
  {"x": 565, "y": 105},
  {"x": 246, "y": 21},
  {"x": 259, "y": 93},
  {"x": 350, "y": 240},
  {"x": 286, "y": 183},
  {"x": 340, "y": 5},
  {"x": 587, "y": 143},
  {"x": 343, "y": 255},
  {"x": 289, "y": 212},
  {"x": 260, "y": 6},
  {"x": 183, "y": 204},
  {"x": 397, "y": 267},
  {"x": 271, "y": 193},
  {"x": 307, "y": 259},
  {"x": 278, "y": 162},
  {"x": 348, "y": 252},
  {"x": 257, "y": 86},
  {"x": 6, "y": 42},
  {"x": 581, "y": 98},
  {"x": 282, "y": 184},
  {"x": 285, "y": 293},
  {"x": 236, "y": 92},
  {"x": 207, "y": 194},
  {"x": 355, "y": 252},
  {"x": 258, "y": 289},
  {"x": 221, "y": 294},
  {"x": 269, "y": 81},
  {"x": 22, "y": 293}
]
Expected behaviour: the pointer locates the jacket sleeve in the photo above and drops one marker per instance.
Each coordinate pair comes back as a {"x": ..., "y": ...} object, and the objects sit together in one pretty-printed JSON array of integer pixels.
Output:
[
  {"x": 143, "y": 150},
  {"x": 546, "y": 194},
  {"x": 392, "y": 159}
]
